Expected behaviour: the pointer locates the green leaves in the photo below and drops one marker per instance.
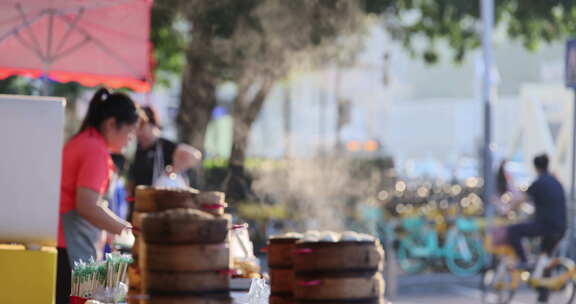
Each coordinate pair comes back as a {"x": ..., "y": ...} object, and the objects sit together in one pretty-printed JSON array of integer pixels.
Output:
[
  {"x": 458, "y": 23},
  {"x": 169, "y": 36}
]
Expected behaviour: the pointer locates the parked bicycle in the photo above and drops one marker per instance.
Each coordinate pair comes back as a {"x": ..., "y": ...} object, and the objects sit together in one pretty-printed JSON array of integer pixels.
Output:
[{"x": 421, "y": 245}]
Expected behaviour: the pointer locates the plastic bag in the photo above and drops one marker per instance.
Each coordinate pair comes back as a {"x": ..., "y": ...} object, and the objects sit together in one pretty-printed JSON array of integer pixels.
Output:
[
  {"x": 259, "y": 292},
  {"x": 240, "y": 245},
  {"x": 111, "y": 294},
  {"x": 171, "y": 180}
]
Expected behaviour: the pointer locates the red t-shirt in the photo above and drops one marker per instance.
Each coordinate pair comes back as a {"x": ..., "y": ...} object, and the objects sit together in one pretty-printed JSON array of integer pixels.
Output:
[{"x": 86, "y": 162}]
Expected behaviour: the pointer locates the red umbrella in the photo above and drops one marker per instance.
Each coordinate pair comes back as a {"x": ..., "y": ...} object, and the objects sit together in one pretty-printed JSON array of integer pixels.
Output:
[{"x": 92, "y": 42}]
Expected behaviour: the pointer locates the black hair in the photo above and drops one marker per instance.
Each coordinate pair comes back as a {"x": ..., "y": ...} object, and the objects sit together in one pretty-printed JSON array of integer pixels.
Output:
[
  {"x": 502, "y": 180},
  {"x": 541, "y": 162},
  {"x": 106, "y": 105},
  {"x": 151, "y": 115}
]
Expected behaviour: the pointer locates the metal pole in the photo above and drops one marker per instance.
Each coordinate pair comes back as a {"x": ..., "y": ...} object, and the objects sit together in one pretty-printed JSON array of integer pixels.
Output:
[
  {"x": 45, "y": 83},
  {"x": 568, "y": 248},
  {"x": 321, "y": 122},
  {"x": 488, "y": 24},
  {"x": 287, "y": 111},
  {"x": 573, "y": 172},
  {"x": 339, "y": 118}
]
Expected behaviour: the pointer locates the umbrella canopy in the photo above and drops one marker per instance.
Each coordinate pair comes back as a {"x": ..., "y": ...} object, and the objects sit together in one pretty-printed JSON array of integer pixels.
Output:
[{"x": 104, "y": 42}]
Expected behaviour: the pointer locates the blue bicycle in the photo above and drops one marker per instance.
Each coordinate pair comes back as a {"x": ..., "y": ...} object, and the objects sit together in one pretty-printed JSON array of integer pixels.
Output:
[{"x": 462, "y": 251}]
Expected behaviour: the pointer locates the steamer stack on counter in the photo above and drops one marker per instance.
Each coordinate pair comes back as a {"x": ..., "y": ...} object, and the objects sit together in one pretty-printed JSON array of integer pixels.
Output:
[
  {"x": 185, "y": 258},
  {"x": 281, "y": 264},
  {"x": 212, "y": 202},
  {"x": 144, "y": 203},
  {"x": 184, "y": 255},
  {"x": 334, "y": 268}
]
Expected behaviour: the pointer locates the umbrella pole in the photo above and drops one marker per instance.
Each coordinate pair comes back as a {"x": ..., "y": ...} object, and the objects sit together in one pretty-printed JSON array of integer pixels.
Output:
[{"x": 45, "y": 84}]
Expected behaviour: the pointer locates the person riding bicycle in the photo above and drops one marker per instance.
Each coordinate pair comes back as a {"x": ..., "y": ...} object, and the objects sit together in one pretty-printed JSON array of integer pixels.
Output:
[{"x": 549, "y": 221}]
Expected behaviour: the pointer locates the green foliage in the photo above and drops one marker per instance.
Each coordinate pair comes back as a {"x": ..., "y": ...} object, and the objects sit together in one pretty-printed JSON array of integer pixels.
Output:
[
  {"x": 254, "y": 37},
  {"x": 458, "y": 23},
  {"x": 455, "y": 22},
  {"x": 251, "y": 163},
  {"x": 259, "y": 212},
  {"x": 70, "y": 90},
  {"x": 211, "y": 163},
  {"x": 168, "y": 39},
  {"x": 16, "y": 85},
  {"x": 28, "y": 86}
]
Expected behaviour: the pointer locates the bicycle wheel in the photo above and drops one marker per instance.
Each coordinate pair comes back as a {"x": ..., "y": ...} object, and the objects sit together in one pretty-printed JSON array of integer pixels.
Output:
[
  {"x": 497, "y": 286},
  {"x": 564, "y": 295},
  {"x": 464, "y": 255},
  {"x": 560, "y": 291},
  {"x": 407, "y": 262}
]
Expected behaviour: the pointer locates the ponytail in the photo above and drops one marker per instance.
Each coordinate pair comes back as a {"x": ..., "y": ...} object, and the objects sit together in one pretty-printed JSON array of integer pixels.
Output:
[{"x": 104, "y": 105}]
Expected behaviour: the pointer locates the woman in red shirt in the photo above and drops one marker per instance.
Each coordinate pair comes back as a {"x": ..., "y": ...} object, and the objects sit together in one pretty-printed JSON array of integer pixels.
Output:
[{"x": 110, "y": 123}]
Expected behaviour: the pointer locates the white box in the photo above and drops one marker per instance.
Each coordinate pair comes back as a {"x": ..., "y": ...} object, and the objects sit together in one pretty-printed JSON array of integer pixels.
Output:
[{"x": 31, "y": 141}]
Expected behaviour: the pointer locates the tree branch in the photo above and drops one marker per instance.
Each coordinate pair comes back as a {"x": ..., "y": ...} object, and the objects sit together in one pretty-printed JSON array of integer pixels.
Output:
[{"x": 256, "y": 104}]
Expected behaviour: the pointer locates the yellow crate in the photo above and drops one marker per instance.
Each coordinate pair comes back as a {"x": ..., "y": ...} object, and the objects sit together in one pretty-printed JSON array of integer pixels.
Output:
[{"x": 26, "y": 276}]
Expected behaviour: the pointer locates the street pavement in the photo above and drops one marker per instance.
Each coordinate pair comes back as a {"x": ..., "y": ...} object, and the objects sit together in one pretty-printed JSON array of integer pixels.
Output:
[{"x": 444, "y": 288}]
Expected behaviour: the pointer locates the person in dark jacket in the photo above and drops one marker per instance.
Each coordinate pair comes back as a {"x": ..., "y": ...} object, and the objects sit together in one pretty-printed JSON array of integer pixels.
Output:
[
  {"x": 548, "y": 223},
  {"x": 154, "y": 155}
]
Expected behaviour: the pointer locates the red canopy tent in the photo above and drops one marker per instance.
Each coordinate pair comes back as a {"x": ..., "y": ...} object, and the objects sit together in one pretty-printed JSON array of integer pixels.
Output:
[{"x": 103, "y": 42}]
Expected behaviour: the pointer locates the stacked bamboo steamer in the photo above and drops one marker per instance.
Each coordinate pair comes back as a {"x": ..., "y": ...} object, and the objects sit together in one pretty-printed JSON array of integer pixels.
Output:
[
  {"x": 184, "y": 254},
  {"x": 213, "y": 202},
  {"x": 144, "y": 203},
  {"x": 185, "y": 257},
  {"x": 281, "y": 265},
  {"x": 337, "y": 268}
]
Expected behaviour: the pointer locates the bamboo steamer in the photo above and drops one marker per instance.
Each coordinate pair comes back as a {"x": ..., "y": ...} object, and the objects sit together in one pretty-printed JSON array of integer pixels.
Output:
[
  {"x": 213, "y": 202},
  {"x": 373, "y": 301},
  {"x": 144, "y": 199},
  {"x": 211, "y": 197},
  {"x": 338, "y": 256},
  {"x": 190, "y": 257},
  {"x": 277, "y": 299},
  {"x": 133, "y": 296},
  {"x": 151, "y": 199},
  {"x": 189, "y": 299},
  {"x": 172, "y": 199},
  {"x": 184, "y": 226},
  {"x": 214, "y": 209},
  {"x": 193, "y": 282},
  {"x": 141, "y": 266},
  {"x": 134, "y": 278},
  {"x": 339, "y": 287},
  {"x": 281, "y": 281},
  {"x": 134, "y": 300},
  {"x": 137, "y": 224},
  {"x": 137, "y": 220},
  {"x": 280, "y": 252},
  {"x": 226, "y": 216},
  {"x": 136, "y": 248}
]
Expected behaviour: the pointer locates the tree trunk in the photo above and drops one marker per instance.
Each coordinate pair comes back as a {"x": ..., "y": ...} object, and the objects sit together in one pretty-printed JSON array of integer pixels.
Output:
[
  {"x": 237, "y": 184},
  {"x": 197, "y": 101},
  {"x": 198, "y": 96},
  {"x": 244, "y": 115}
]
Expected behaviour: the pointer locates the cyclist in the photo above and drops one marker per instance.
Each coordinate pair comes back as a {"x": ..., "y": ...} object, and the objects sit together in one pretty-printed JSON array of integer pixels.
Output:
[{"x": 549, "y": 221}]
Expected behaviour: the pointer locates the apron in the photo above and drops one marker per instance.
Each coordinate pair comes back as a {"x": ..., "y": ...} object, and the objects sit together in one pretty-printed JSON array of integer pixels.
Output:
[
  {"x": 84, "y": 241},
  {"x": 82, "y": 238},
  {"x": 159, "y": 166}
]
